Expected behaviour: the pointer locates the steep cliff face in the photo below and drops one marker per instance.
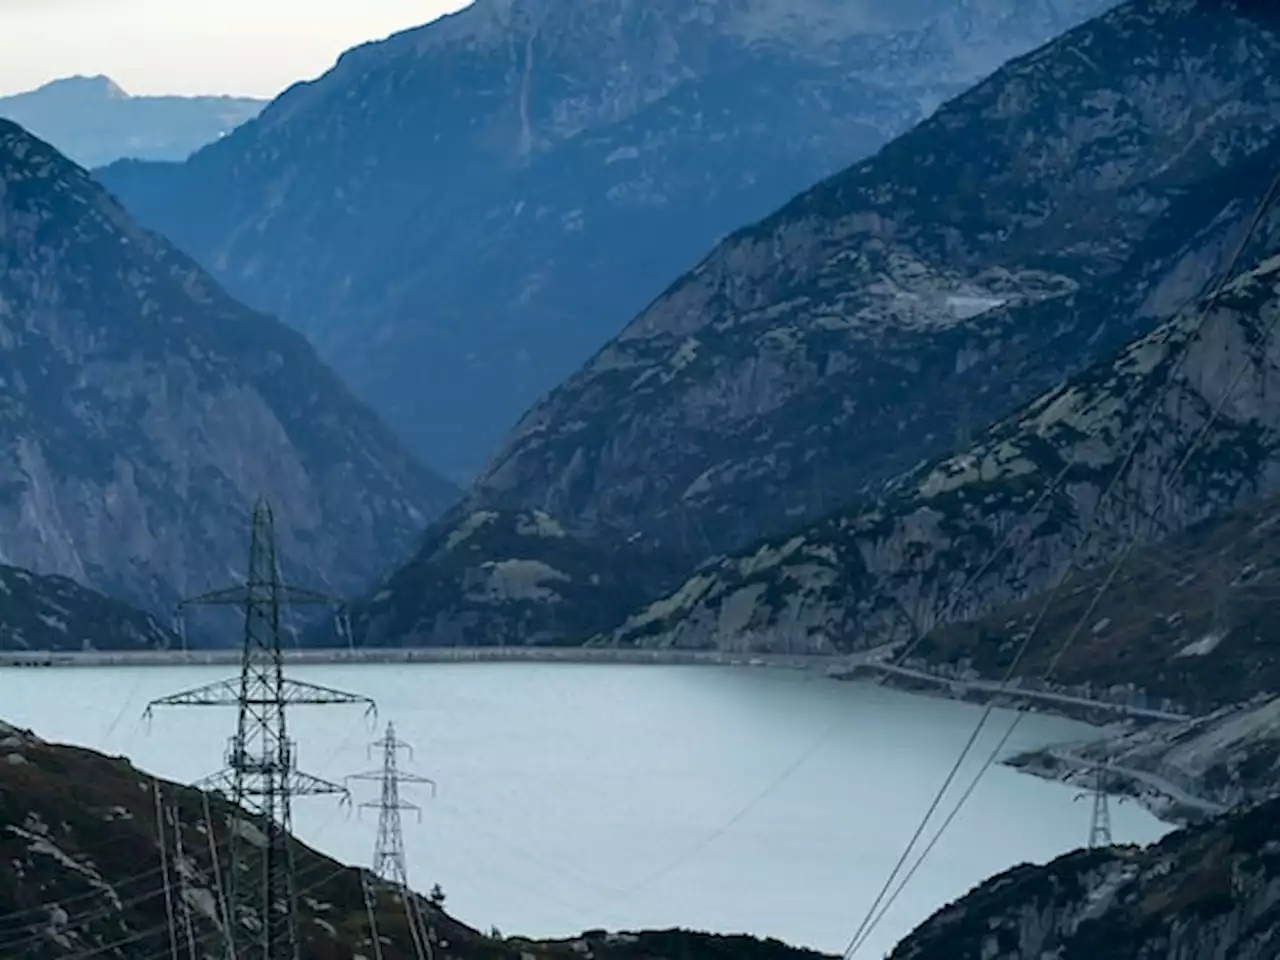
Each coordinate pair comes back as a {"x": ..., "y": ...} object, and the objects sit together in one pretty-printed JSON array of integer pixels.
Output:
[
  {"x": 1074, "y": 199},
  {"x": 1195, "y": 400},
  {"x": 84, "y": 878},
  {"x": 492, "y": 578},
  {"x": 1201, "y": 894},
  {"x": 143, "y": 410},
  {"x": 55, "y": 613},
  {"x": 460, "y": 215},
  {"x": 94, "y": 122}
]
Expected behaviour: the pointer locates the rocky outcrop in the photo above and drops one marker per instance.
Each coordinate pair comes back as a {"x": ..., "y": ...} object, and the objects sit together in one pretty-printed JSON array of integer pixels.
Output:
[
  {"x": 94, "y": 122},
  {"x": 84, "y": 877},
  {"x": 458, "y": 216},
  {"x": 55, "y": 613},
  {"x": 1185, "y": 771},
  {"x": 1208, "y": 892},
  {"x": 1186, "y": 417},
  {"x": 143, "y": 410},
  {"x": 1190, "y": 619},
  {"x": 491, "y": 578},
  {"x": 1038, "y": 222}
]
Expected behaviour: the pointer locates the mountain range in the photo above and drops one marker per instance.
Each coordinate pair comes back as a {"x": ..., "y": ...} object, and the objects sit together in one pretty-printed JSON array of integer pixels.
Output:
[
  {"x": 460, "y": 215},
  {"x": 93, "y": 121},
  {"x": 820, "y": 366},
  {"x": 144, "y": 410}
]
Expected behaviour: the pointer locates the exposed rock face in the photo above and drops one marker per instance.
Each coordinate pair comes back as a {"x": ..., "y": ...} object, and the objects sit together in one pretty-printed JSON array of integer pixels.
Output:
[
  {"x": 55, "y": 613},
  {"x": 1041, "y": 220},
  {"x": 1191, "y": 620},
  {"x": 460, "y": 215},
  {"x": 143, "y": 410},
  {"x": 1196, "y": 402},
  {"x": 493, "y": 578},
  {"x": 1203, "y": 893},
  {"x": 93, "y": 121},
  {"x": 83, "y": 877}
]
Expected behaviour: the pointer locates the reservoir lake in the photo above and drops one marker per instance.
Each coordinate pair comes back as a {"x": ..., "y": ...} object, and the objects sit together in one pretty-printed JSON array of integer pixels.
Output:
[{"x": 578, "y": 796}]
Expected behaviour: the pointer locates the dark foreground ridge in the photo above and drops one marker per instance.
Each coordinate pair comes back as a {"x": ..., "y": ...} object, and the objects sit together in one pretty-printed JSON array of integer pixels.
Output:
[
  {"x": 83, "y": 878},
  {"x": 1201, "y": 893}
]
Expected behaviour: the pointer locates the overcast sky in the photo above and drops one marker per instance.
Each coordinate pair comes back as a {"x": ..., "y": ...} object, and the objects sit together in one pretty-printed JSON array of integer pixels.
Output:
[{"x": 246, "y": 47}]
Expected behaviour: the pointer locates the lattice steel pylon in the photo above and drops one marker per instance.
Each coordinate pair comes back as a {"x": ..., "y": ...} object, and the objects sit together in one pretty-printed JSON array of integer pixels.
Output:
[
  {"x": 388, "y": 851},
  {"x": 1100, "y": 821},
  {"x": 261, "y": 777}
]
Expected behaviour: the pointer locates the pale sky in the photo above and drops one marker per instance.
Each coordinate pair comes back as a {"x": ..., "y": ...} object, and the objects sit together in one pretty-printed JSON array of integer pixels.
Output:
[{"x": 246, "y": 47}]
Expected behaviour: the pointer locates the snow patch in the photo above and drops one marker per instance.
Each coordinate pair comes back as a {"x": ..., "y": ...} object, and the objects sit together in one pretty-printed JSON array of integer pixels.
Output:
[{"x": 1202, "y": 647}]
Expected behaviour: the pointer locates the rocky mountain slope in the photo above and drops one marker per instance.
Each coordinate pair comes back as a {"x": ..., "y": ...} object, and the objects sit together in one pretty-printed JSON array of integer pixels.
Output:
[
  {"x": 491, "y": 578},
  {"x": 1190, "y": 619},
  {"x": 94, "y": 122},
  {"x": 55, "y": 613},
  {"x": 1195, "y": 402},
  {"x": 1206, "y": 892},
  {"x": 79, "y": 834},
  {"x": 459, "y": 215},
  {"x": 144, "y": 410},
  {"x": 1076, "y": 198}
]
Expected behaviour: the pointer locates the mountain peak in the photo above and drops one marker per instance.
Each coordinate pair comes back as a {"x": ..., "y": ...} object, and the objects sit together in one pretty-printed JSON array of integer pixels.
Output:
[{"x": 99, "y": 87}]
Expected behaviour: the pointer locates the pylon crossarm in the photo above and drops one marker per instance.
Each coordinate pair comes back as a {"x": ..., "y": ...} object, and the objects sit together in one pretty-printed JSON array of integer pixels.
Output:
[
  {"x": 414, "y": 778},
  {"x": 221, "y": 782},
  {"x": 383, "y": 805},
  {"x": 300, "y": 692},
  {"x": 221, "y": 693},
  {"x": 305, "y": 784},
  {"x": 228, "y": 596},
  {"x": 241, "y": 594}
]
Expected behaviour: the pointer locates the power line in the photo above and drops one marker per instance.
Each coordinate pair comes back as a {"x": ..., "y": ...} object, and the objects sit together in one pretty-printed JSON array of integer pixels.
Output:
[
  {"x": 164, "y": 867},
  {"x": 1100, "y": 820},
  {"x": 261, "y": 775},
  {"x": 389, "y": 864},
  {"x": 872, "y": 918}
]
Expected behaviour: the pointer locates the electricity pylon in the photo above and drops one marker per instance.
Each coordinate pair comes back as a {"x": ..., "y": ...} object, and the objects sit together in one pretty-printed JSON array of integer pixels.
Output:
[
  {"x": 261, "y": 777},
  {"x": 1100, "y": 822},
  {"x": 388, "y": 851}
]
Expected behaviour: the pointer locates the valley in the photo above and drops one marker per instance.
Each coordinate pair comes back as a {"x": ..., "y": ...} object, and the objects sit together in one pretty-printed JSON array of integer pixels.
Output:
[{"x": 726, "y": 440}]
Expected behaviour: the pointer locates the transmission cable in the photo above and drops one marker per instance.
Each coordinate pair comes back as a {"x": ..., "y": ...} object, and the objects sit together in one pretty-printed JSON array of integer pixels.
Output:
[
  {"x": 1084, "y": 618},
  {"x": 1224, "y": 277}
]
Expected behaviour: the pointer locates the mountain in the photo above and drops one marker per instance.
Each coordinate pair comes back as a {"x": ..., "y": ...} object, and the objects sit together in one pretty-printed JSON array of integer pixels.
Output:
[
  {"x": 94, "y": 122},
  {"x": 1188, "y": 619},
  {"x": 502, "y": 579},
  {"x": 1034, "y": 224},
  {"x": 1208, "y": 891},
  {"x": 814, "y": 361},
  {"x": 491, "y": 578},
  {"x": 85, "y": 878},
  {"x": 55, "y": 613},
  {"x": 1195, "y": 402},
  {"x": 144, "y": 410},
  {"x": 458, "y": 216}
]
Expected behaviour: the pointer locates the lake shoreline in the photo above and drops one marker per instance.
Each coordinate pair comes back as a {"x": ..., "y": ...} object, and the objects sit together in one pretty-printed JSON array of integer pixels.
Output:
[
  {"x": 230, "y": 656},
  {"x": 848, "y": 668}
]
